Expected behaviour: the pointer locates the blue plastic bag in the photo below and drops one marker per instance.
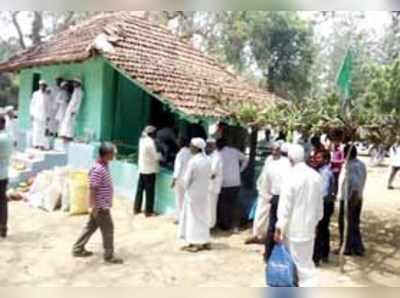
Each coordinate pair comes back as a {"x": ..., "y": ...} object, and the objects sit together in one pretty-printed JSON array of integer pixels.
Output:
[{"x": 281, "y": 270}]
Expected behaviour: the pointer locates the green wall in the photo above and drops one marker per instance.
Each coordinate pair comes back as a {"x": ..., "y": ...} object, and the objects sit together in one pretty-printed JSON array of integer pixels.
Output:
[{"x": 92, "y": 75}]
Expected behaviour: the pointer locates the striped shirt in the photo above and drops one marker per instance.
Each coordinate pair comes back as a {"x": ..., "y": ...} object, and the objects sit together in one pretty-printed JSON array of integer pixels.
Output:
[{"x": 100, "y": 181}]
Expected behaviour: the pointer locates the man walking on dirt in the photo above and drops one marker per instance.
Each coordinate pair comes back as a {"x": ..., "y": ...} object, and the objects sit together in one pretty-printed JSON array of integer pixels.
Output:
[{"x": 100, "y": 202}]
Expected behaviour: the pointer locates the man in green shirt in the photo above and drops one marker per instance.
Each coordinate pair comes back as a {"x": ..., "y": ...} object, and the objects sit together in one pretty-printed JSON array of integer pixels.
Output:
[{"x": 5, "y": 156}]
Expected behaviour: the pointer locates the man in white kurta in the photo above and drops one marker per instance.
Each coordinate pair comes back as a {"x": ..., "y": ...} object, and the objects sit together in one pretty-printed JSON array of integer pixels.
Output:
[
  {"x": 215, "y": 179},
  {"x": 11, "y": 124},
  {"x": 275, "y": 169},
  {"x": 148, "y": 166},
  {"x": 180, "y": 166},
  {"x": 39, "y": 116},
  {"x": 67, "y": 127},
  {"x": 194, "y": 225},
  {"x": 53, "y": 124},
  {"x": 299, "y": 212},
  {"x": 61, "y": 100}
]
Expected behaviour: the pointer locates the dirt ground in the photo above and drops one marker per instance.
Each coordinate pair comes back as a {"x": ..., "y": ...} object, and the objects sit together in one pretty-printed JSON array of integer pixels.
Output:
[{"x": 38, "y": 250}]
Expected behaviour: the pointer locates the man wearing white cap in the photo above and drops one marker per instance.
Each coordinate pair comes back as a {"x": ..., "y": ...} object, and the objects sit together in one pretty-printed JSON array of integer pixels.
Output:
[
  {"x": 180, "y": 166},
  {"x": 67, "y": 128},
  {"x": 276, "y": 168},
  {"x": 11, "y": 123},
  {"x": 194, "y": 224},
  {"x": 39, "y": 115},
  {"x": 299, "y": 212},
  {"x": 216, "y": 179},
  {"x": 55, "y": 90},
  {"x": 61, "y": 100},
  {"x": 148, "y": 164}
]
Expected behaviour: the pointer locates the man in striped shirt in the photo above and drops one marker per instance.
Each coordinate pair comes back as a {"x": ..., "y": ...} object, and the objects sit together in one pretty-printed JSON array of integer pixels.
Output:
[{"x": 100, "y": 202}]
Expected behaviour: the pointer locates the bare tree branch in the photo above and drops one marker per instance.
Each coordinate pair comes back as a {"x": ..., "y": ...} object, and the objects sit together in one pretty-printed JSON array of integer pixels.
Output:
[{"x": 14, "y": 18}]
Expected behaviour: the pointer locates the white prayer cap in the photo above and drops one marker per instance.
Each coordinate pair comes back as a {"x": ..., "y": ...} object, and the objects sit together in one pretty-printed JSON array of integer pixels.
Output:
[
  {"x": 8, "y": 109},
  {"x": 198, "y": 143},
  {"x": 42, "y": 82},
  {"x": 211, "y": 141},
  {"x": 149, "y": 129},
  {"x": 278, "y": 144},
  {"x": 78, "y": 80},
  {"x": 285, "y": 148},
  {"x": 296, "y": 153}
]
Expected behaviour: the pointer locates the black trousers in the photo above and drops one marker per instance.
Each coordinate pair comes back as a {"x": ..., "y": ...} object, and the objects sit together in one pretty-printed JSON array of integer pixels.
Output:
[
  {"x": 322, "y": 246},
  {"x": 228, "y": 213},
  {"x": 3, "y": 207},
  {"x": 273, "y": 218},
  {"x": 354, "y": 243},
  {"x": 336, "y": 183},
  {"x": 101, "y": 219},
  {"x": 146, "y": 184}
]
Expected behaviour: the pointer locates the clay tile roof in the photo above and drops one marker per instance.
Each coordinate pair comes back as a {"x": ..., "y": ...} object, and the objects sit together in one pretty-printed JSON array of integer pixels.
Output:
[{"x": 152, "y": 56}]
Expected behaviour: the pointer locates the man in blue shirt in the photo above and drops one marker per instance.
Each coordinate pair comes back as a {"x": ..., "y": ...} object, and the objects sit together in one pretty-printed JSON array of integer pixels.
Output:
[
  {"x": 5, "y": 156},
  {"x": 322, "y": 240}
]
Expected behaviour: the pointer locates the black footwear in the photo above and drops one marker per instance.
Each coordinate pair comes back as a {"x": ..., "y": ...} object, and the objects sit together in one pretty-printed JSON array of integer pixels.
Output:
[
  {"x": 207, "y": 246},
  {"x": 114, "y": 261},
  {"x": 82, "y": 254},
  {"x": 3, "y": 234},
  {"x": 325, "y": 260},
  {"x": 390, "y": 187}
]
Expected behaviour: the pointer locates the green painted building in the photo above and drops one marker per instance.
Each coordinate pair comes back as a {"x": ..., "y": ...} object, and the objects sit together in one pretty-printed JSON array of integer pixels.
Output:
[{"x": 134, "y": 73}]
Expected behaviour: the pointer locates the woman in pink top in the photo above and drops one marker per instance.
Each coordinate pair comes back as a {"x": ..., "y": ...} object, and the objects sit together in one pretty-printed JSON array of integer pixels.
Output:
[{"x": 337, "y": 161}]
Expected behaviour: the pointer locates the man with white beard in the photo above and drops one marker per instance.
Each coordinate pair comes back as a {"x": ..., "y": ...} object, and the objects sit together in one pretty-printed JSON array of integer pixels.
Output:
[
  {"x": 39, "y": 115},
  {"x": 194, "y": 224},
  {"x": 276, "y": 168},
  {"x": 67, "y": 127},
  {"x": 299, "y": 212}
]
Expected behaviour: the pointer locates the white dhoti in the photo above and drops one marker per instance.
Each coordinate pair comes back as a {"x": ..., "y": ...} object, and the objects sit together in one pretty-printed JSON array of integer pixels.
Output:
[
  {"x": 179, "y": 198},
  {"x": 39, "y": 133},
  {"x": 194, "y": 226},
  {"x": 213, "y": 203},
  {"x": 302, "y": 254},
  {"x": 260, "y": 222},
  {"x": 67, "y": 127}
]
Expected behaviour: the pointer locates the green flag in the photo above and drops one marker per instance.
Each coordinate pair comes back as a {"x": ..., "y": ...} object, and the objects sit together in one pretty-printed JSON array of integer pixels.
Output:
[{"x": 343, "y": 79}]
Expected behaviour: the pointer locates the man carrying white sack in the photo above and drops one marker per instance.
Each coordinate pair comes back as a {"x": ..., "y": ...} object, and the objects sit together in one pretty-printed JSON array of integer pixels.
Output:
[
  {"x": 194, "y": 225},
  {"x": 276, "y": 168},
  {"x": 215, "y": 180},
  {"x": 67, "y": 127},
  {"x": 180, "y": 166},
  {"x": 39, "y": 115},
  {"x": 299, "y": 212}
]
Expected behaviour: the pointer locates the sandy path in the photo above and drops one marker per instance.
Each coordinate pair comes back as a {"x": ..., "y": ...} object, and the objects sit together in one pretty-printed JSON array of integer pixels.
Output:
[{"x": 37, "y": 251}]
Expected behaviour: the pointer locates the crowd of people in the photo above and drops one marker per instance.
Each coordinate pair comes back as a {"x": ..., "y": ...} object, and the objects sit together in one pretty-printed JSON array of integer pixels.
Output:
[
  {"x": 297, "y": 188},
  {"x": 53, "y": 111}
]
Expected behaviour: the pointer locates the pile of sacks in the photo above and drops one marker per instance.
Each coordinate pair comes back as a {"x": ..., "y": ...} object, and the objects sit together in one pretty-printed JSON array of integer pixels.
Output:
[{"x": 62, "y": 188}]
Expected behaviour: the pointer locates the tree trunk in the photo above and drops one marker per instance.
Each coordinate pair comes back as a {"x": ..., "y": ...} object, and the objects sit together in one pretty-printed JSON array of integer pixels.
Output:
[
  {"x": 14, "y": 19},
  {"x": 37, "y": 27}
]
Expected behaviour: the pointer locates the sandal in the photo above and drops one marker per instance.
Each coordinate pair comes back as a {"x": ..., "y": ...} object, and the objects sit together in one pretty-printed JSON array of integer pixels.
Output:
[{"x": 82, "y": 254}]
